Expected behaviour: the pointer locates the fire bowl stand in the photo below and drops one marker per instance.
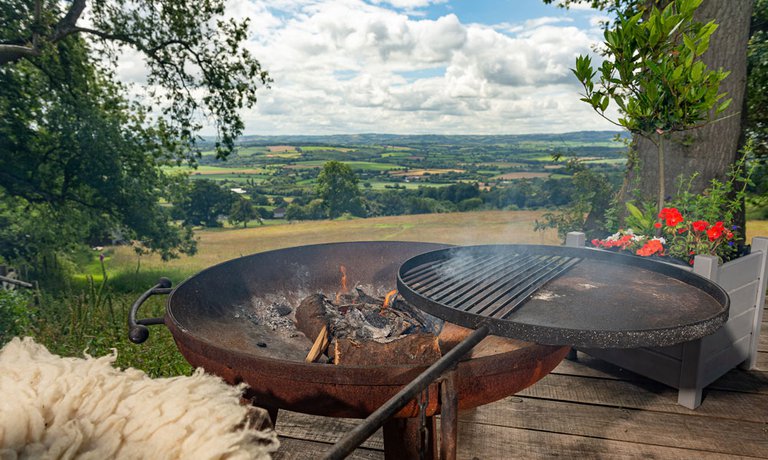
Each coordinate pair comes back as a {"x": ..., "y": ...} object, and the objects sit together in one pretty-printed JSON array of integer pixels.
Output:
[{"x": 411, "y": 442}]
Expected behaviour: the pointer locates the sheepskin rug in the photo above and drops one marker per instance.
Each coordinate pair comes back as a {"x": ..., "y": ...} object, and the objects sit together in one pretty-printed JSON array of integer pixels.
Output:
[{"x": 62, "y": 408}]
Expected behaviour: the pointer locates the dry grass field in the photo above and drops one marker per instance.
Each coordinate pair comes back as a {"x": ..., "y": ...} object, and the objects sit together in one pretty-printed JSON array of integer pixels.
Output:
[
  {"x": 457, "y": 228},
  {"x": 482, "y": 227}
]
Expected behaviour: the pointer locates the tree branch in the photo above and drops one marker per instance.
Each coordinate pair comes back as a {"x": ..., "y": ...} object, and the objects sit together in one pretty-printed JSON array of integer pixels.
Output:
[
  {"x": 11, "y": 53},
  {"x": 67, "y": 24}
]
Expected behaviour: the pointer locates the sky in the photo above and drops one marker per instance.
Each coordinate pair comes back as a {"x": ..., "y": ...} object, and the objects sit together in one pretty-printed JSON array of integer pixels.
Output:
[{"x": 416, "y": 66}]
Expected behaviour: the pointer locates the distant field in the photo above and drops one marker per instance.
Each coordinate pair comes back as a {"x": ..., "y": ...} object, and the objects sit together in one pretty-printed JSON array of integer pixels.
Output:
[
  {"x": 325, "y": 148},
  {"x": 607, "y": 161},
  {"x": 421, "y": 172},
  {"x": 281, "y": 148},
  {"x": 521, "y": 175},
  {"x": 355, "y": 165},
  {"x": 381, "y": 185},
  {"x": 213, "y": 170},
  {"x": 504, "y": 164},
  {"x": 219, "y": 245}
]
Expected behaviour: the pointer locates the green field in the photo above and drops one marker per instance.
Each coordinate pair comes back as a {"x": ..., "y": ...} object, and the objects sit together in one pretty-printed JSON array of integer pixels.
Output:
[{"x": 355, "y": 165}]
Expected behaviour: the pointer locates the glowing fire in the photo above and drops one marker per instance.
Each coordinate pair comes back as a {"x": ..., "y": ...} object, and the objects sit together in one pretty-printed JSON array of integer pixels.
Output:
[
  {"x": 389, "y": 298},
  {"x": 343, "y": 290}
]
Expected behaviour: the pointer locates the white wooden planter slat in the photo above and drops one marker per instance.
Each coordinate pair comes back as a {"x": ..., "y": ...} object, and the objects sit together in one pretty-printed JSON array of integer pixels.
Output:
[{"x": 691, "y": 366}]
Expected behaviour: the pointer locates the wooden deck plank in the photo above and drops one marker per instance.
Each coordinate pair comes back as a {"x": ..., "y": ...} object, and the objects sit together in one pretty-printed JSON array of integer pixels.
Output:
[
  {"x": 321, "y": 429},
  {"x": 649, "y": 396},
  {"x": 488, "y": 442},
  {"x": 708, "y": 434},
  {"x": 298, "y": 449}
]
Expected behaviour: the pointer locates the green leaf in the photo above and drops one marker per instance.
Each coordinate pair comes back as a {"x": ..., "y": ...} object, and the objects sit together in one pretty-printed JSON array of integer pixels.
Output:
[
  {"x": 724, "y": 105},
  {"x": 696, "y": 71},
  {"x": 689, "y": 43}
]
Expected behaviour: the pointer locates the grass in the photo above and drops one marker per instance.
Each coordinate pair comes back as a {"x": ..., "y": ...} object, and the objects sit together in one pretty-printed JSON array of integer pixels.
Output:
[{"x": 457, "y": 228}]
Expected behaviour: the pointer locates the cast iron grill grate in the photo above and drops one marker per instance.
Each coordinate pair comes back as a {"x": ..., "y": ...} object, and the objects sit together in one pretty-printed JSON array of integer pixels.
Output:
[{"x": 492, "y": 285}]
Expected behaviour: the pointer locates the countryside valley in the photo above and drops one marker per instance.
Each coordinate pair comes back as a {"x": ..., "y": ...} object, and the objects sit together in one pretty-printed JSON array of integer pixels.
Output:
[{"x": 278, "y": 176}]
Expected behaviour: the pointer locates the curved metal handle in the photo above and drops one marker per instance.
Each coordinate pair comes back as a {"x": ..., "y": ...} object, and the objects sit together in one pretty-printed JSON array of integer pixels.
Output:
[{"x": 137, "y": 329}]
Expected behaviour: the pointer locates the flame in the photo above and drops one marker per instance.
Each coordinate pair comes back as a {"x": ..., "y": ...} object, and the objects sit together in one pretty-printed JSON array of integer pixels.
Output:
[
  {"x": 344, "y": 288},
  {"x": 389, "y": 298}
]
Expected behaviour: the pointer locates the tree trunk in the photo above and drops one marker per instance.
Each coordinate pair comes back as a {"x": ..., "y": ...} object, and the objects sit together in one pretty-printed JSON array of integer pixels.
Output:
[{"x": 714, "y": 147}]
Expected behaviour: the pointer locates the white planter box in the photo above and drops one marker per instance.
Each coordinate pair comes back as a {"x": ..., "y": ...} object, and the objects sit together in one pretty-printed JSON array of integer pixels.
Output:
[{"x": 691, "y": 366}]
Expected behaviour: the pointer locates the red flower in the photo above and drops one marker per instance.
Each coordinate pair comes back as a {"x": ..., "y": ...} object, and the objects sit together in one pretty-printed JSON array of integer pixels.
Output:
[
  {"x": 671, "y": 215},
  {"x": 700, "y": 225},
  {"x": 657, "y": 224},
  {"x": 650, "y": 248},
  {"x": 716, "y": 231}
]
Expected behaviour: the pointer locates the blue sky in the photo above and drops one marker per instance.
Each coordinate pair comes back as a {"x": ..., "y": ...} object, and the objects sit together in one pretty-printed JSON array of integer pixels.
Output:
[{"x": 416, "y": 66}]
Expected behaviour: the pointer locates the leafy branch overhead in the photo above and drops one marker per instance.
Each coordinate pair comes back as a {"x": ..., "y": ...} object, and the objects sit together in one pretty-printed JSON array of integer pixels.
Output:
[
  {"x": 653, "y": 72},
  {"x": 194, "y": 57}
]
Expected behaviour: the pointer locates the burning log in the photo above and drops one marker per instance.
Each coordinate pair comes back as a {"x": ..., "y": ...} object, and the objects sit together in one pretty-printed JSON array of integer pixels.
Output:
[
  {"x": 416, "y": 349},
  {"x": 359, "y": 329}
]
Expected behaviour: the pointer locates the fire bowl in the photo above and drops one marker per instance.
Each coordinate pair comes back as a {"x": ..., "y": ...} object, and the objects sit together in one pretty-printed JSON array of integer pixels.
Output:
[{"x": 211, "y": 317}]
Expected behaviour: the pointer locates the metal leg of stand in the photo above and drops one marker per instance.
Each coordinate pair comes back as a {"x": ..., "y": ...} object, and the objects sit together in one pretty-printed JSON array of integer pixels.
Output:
[
  {"x": 402, "y": 439},
  {"x": 449, "y": 415}
]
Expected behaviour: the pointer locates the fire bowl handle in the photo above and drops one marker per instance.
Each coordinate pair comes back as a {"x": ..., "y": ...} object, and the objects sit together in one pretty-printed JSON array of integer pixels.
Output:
[{"x": 137, "y": 329}]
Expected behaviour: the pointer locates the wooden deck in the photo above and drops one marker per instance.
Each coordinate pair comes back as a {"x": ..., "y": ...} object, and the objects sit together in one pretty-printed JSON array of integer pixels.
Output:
[{"x": 586, "y": 409}]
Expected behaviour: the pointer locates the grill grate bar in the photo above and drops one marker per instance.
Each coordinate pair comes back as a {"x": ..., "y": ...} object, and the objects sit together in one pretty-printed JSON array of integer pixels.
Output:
[
  {"x": 509, "y": 306},
  {"x": 436, "y": 278},
  {"x": 457, "y": 285},
  {"x": 489, "y": 284},
  {"x": 507, "y": 292},
  {"x": 482, "y": 280}
]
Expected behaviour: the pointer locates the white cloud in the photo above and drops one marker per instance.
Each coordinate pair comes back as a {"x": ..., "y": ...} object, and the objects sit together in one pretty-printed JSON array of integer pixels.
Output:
[{"x": 347, "y": 66}]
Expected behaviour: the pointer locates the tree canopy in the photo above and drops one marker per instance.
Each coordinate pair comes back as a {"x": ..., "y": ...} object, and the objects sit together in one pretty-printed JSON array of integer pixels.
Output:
[
  {"x": 75, "y": 151},
  {"x": 337, "y": 187}
]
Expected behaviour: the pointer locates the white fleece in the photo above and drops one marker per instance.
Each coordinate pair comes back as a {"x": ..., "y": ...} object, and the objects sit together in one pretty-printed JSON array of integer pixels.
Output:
[{"x": 62, "y": 408}]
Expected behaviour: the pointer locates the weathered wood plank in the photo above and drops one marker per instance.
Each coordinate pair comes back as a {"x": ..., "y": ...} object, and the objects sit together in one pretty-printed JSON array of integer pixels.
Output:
[
  {"x": 648, "y": 395},
  {"x": 762, "y": 360},
  {"x": 589, "y": 366},
  {"x": 298, "y": 449},
  {"x": 488, "y": 442},
  {"x": 322, "y": 429},
  {"x": 686, "y": 431}
]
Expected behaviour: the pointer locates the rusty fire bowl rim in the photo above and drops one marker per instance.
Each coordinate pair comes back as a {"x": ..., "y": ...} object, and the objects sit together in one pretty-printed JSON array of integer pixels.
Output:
[{"x": 335, "y": 374}]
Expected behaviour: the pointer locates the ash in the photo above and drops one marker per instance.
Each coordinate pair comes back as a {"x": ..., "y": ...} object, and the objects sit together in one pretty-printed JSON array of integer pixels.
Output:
[{"x": 272, "y": 312}]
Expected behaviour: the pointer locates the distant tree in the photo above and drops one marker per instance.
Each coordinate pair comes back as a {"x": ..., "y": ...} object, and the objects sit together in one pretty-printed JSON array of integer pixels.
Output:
[
  {"x": 337, "y": 187},
  {"x": 242, "y": 211},
  {"x": 204, "y": 203}
]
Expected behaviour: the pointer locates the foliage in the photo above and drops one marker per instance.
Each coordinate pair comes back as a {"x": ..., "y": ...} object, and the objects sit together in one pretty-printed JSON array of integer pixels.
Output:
[
  {"x": 202, "y": 203},
  {"x": 75, "y": 152},
  {"x": 196, "y": 65},
  {"x": 591, "y": 196},
  {"x": 652, "y": 72},
  {"x": 15, "y": 313},
  {"x": 91, "y": 316},
  {"x": 242, "y": 210},
  {"x": 692, "y": 224},
  {"x": 337, "y": 187},
  {"x": 757, "y": 81}
]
